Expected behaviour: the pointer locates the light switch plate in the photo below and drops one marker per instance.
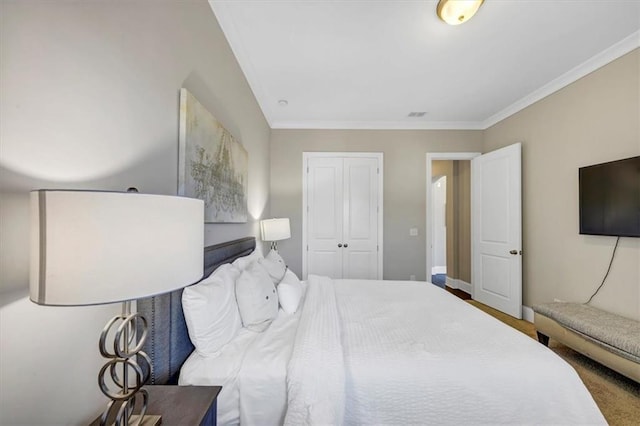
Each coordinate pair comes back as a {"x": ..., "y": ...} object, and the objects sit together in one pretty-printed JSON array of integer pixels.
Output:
[{"x": 413, "y": 232}]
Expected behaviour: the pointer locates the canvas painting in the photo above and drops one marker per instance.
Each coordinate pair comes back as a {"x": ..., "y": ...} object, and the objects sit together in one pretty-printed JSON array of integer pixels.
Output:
[{"x": 213, "y": 166}]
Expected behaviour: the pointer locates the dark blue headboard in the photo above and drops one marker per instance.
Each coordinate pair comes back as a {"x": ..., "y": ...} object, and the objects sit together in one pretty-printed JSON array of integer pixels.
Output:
[{"x": 168, "y": 343}]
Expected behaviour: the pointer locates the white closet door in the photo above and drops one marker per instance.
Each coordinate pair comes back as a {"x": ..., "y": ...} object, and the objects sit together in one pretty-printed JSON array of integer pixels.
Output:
[
  {"x": 342, "y": 217},
  {"x": 360, "y": 237},
  {"x": 325, "y": 216}
]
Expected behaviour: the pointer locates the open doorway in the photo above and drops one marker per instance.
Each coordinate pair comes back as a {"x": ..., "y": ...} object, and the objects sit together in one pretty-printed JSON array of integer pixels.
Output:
[
  {"x": 439, "y": 212},
  {"x": 448, "y": 230}
]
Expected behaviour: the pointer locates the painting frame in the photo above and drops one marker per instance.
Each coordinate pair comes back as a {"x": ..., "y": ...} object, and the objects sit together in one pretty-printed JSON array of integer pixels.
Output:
[{"x": 212, "y": 164}]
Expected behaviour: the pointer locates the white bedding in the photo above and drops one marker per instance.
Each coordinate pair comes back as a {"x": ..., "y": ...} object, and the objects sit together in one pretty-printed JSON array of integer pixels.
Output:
[
  {"x": 414, "y": 354},
  {"x": 390, "y": 352},
  {"x": 252, "y": 372}
]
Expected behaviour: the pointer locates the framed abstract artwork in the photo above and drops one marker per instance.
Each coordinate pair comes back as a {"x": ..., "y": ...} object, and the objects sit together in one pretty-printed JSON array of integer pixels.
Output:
[{"x": 212, "y": 166}]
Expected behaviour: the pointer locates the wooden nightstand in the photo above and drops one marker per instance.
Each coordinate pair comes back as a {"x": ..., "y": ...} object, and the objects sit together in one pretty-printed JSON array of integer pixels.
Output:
[{"x": 182, "y": 405}]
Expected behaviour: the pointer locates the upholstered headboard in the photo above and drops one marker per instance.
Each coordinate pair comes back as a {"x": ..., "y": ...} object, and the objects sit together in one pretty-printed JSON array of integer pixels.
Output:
[{"x": 168, "y": 343}]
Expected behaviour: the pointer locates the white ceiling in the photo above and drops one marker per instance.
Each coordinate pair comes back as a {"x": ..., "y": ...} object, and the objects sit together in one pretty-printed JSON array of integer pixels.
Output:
[{"x": 354, "y": 64}]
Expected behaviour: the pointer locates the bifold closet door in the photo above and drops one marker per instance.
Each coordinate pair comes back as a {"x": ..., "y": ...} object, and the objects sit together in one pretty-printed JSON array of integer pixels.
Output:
[{"x": 342, "y": 217}]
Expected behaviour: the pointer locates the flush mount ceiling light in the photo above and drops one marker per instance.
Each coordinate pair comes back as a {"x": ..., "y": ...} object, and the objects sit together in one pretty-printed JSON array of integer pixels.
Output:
[
  {"x": 456, "y": 12},
  {"x": 283, "y": 102}
]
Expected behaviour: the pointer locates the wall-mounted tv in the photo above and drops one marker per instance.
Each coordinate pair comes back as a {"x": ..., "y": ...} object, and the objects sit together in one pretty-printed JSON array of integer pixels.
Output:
[{"x": 610, "y": 198}]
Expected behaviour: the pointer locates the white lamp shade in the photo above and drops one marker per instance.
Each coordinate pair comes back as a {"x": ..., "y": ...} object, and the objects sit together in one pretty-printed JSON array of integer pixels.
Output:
[
  {"x": 92, "y": 247},
  {"x": 275, "y": 229}
]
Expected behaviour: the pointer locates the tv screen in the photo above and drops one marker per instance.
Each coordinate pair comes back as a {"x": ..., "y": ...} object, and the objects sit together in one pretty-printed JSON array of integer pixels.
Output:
[{"x": 610, "y": 198}]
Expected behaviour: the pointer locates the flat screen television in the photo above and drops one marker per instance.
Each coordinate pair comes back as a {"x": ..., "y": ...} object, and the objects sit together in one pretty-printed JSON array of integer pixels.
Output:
[{"x": 610, "y": 198}]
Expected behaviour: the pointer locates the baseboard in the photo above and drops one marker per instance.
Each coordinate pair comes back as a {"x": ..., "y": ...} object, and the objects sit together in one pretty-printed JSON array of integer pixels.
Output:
[
  {"x": 438, "y": 270},
  {"x": 527, "y": 313},
  {"x": 459, "y": 284}
]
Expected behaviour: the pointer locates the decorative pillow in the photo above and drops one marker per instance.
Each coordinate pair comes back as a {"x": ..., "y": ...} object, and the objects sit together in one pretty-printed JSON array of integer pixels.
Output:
[
  {"x": 257, "y": 298},
  {"x": 211, "y": 311},
  {"x": 290, "y": 292},
  {"x": 242, "y": 262},
  {"x": 274, "y": 265}
]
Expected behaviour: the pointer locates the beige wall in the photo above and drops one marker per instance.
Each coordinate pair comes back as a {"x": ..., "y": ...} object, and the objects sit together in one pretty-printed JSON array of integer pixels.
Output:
[
  {"x": 593, "y": 120},
  {"x": 462, "y": 219},
  {"x": 404, "y": 185},
  {"x": 458, "y": 215},
  {"x": 90, "y": 100}
]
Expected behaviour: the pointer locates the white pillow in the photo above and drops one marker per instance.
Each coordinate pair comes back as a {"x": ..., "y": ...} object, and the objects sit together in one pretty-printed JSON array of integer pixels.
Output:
[
  {"x": 257, "y": 298},
  {"x": 242, "y": 262},
  {"x": 211, "y": 312},
  {"x": 274, "y": 265},
  {"x": 289, "y": 292}
]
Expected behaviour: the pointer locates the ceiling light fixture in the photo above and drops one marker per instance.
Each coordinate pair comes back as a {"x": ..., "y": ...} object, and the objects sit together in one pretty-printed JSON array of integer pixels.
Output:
[
  {"x": 283, "y": 102},
  {"x": 456, "y": 12}
]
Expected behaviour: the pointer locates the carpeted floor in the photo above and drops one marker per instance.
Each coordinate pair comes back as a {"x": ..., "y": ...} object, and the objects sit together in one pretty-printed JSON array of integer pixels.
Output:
[
  {"x": 617, "y": 396},
  {"x": 439, "y": 279}
]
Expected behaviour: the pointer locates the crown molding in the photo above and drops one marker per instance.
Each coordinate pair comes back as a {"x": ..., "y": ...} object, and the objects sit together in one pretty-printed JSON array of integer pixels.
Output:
[
  {"x": 614, "y": 52},
  {"x": 608, "y": 55},
  {"x": 378, "y": 125},
  {"x": 247, "y": 68}
]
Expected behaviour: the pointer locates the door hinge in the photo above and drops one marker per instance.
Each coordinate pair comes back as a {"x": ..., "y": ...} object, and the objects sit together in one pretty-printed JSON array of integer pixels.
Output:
[
  {"x": 307, "y": 247},
  {"x": 377, "y": 248},
  {"x": 307, "y": 169},
  {"x": 378, "y": 170},
  {"x": 307, "y": 209}
]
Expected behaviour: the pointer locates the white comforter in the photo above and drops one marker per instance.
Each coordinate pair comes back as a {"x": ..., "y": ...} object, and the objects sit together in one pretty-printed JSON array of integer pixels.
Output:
[
  {"x": 380, "y": 352},
  {"x": 252, "y": 371}
]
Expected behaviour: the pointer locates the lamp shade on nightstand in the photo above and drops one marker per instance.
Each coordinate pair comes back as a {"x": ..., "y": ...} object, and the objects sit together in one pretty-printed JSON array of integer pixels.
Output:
[
  {"x": 275, "y": 229},
  {"x": 96, "y": 247}
]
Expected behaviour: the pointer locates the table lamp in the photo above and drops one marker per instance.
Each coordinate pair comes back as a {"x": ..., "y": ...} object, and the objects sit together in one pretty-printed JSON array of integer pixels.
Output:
[
  {"x": 275, "y": 230},
  {"x": 99, "y": 247}
]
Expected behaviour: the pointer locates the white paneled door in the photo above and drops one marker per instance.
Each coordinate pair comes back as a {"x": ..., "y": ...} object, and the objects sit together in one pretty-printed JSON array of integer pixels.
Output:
[
  {"x": 497, "y": 229},
  {"x": 343, "y": 215}
]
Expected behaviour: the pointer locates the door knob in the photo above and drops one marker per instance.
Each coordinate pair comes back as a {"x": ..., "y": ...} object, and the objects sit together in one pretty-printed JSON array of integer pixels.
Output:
[
  {"x": 339, "y": 245},
  {"x": 346, "y": 245},
  {"x": 514, "y": 252}
]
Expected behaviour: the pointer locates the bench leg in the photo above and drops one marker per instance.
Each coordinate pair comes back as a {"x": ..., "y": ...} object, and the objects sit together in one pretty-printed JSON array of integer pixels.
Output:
[{"x": 543, "y": 339}]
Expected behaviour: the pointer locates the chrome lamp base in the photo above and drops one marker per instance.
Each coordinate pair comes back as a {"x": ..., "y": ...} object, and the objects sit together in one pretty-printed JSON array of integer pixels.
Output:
[{"x": 121, "y": 378}]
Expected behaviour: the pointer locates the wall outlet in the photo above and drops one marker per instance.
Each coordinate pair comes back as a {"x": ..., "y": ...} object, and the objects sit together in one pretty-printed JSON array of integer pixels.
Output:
[
  {"x": 558, "y": 301},
  {"x": 412, "y": 277}
]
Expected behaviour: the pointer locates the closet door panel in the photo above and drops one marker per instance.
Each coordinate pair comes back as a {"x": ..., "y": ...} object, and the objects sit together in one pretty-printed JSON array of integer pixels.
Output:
[
  {"x": 360, "y": 259},
  {"x": 325, "y": 216}
]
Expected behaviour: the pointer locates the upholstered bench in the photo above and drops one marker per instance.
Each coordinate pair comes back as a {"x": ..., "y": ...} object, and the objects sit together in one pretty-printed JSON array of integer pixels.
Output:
[{"x": 608, "y": 338}]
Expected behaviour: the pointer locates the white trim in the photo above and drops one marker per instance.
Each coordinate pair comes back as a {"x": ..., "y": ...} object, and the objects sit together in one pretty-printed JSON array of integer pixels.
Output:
[
  {"x": 428, "y": 232},
  {"x": 379, "y": 125},
  {"x": 527, "y": 313},
  {"x": 231, "y": 34},
  {"x": 614, "y": 52},
  {"x": 305, "y": 161},
  {"x": 438, "y": 270},
  {"x": 459, "y": 284},
  {"x": 450, "y": 282}
]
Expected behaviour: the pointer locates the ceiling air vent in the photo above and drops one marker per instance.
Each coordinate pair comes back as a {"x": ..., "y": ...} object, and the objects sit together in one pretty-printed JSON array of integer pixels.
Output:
[{"x": 417, "y": 114}]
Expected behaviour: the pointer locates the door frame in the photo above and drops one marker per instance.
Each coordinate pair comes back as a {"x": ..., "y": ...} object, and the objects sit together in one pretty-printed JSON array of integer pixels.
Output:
[
  {"x": 380, "y": 157},
  {"x": 436, "y": 156}
]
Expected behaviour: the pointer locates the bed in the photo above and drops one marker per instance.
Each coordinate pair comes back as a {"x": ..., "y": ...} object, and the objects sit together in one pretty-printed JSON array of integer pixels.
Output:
[{"x": 370, "y": 352}]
